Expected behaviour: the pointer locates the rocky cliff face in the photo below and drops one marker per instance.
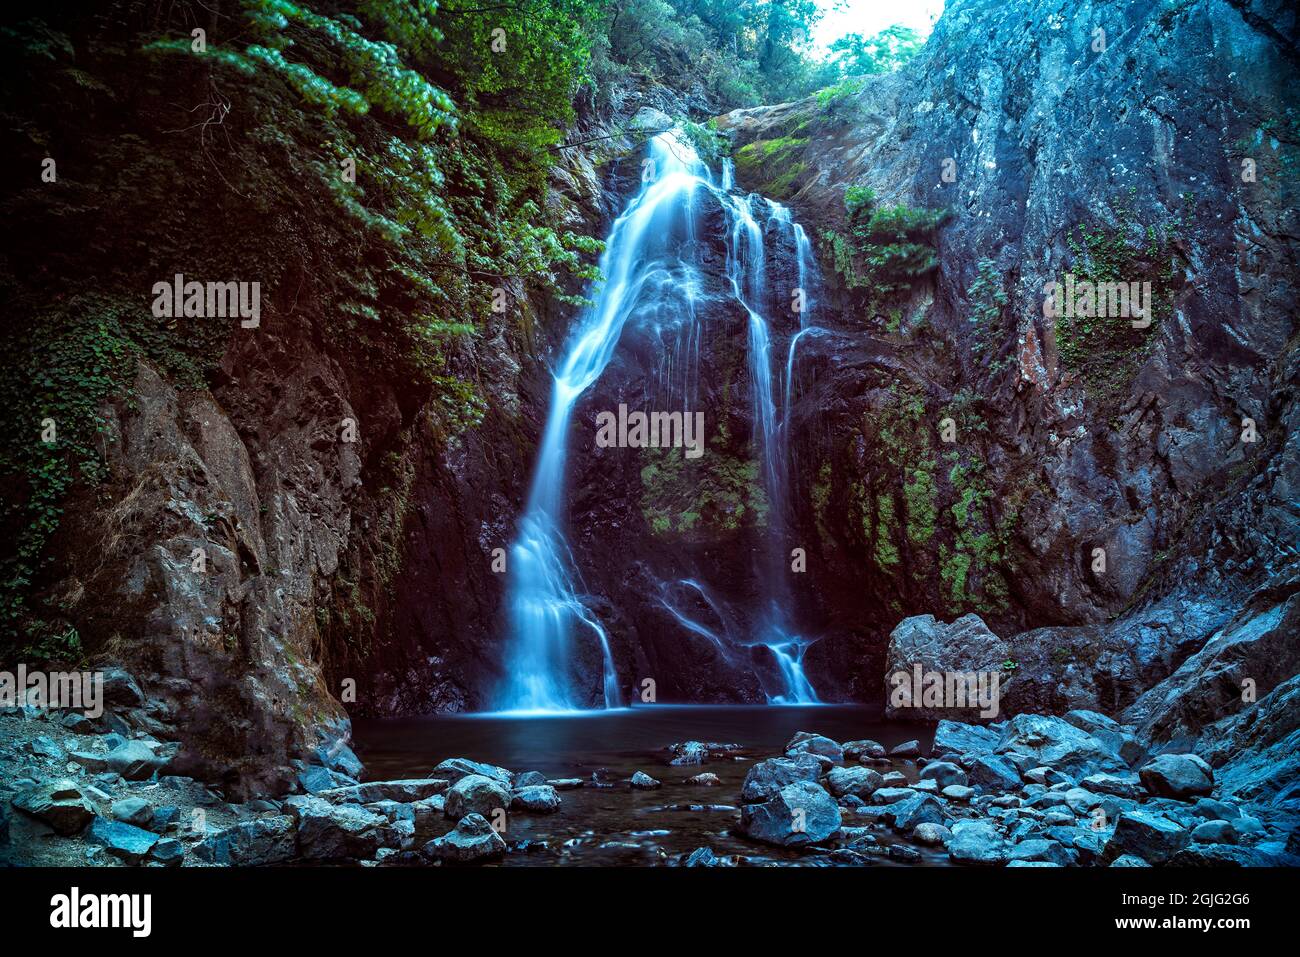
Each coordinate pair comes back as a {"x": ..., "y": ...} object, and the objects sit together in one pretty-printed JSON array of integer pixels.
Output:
[
  {"x": 1160, "y": 150},
  {"x": 357, "y": 575}
]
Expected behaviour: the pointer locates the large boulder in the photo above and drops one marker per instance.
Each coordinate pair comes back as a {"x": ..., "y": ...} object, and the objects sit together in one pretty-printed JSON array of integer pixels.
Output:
[
  {"x": 124, "y": 841},
  {"x": 476, "y": 794},
  {"x": 473, "y": 839},
  {"x": 453, "y": 769},
  {"x": 954, "y": 737},
  {"x": 1153, "y": 838},
  {"x": 797, "y": 814},
  {"x": 1182, "y": 776},
  {"x": 338, "y": 832},
  {"x": 965, "y": 647},
  {"x": 809, "y": 742},
  {"x": 1258, "y": 644},
  {"x": 535, "y": 799},
  {"x": 1057, "y": 744},
  {"x": 858, "y": 781},
  {"x": 256, "y": 843},
  {"x": 977, "y": 842},
  {"x": 59, "y": 804},
  {"x": 1256, "y": 753},
  {"x": 767, "y": 777},
  {"x": 403, "y": 791},
  {"x": 135, "y": 760},
  {"x": 992, "y": 772}
]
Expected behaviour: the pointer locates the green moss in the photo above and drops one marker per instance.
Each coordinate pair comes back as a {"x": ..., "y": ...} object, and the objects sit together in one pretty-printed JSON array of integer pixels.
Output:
[
  {"x": 771, "y": 165},
  {"x": 717, "y": 492},
  {"x": 1106, "y": 351}
]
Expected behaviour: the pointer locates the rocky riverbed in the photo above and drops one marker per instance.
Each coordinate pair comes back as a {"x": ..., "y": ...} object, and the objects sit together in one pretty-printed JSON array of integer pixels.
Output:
[{"x": 1034, "y": 790}]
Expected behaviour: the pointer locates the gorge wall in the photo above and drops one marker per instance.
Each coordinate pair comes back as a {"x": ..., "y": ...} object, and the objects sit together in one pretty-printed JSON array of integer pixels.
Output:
[{"x": 370, "y": 562}]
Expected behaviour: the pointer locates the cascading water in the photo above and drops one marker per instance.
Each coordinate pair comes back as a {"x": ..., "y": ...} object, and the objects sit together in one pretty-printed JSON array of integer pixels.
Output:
[{"x": 546, "y": 612}]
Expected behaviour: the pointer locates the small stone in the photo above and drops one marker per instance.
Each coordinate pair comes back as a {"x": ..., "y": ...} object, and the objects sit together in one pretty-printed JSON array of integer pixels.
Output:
[
  {"x": 707, "y": 780},
  {"x": 133, "y": 810},
  {"x": 1215, "y": 832},
  {"x": 169, "y": 852},
  {"x": 908, "y": 749},
  {"x": 956, "y": 792},
  {"x": 932, "y": 834},
  {"x": 641, "y": 781}
]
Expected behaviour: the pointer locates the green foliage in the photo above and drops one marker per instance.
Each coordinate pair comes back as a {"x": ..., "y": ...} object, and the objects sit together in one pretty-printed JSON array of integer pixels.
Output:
[
  {"x": 743, "y": 52},
  {"x": 987, "y": 299},
  {"x": 886, "y": 248},
  {"x": 710, "y": 145},
  {"x": 393, "y": 270},
  {"x": 1106, "y": 351},
  {"x": 883, "y": 53}
]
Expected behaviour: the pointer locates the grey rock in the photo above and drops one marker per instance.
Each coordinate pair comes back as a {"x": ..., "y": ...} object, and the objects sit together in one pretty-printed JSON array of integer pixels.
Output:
[
  {"x": 123, "y": 841},
  {"x": 935, "y": 835},
  {"x": 1148, "y": 836},
  {"x": 527, "y": 779},
  {"x": 256, "y": 843},
  {"x": 955, "y": 792},
  {"x": 476, "y": 794},
  {"x": 640, "y": 781},
  {"x": 453, "y": 769},
  {"x": 799, "y": 813},
  {"x": 1040, "y": 849},
  {"x": 992, "y": 772},
  {"x": 59, "y": 804},
  {"x": 959, "y": 738},
  {"x": 472, "y": 840},
  {"x": 1215, "y": 832},
  {"x": 535, "y": 799},
  {"x": 977, "y": 842},
  {"x": 706, "y": 779},
  {"x": 766, "y": 778},
  {"x": 857, "y": 781},
  {"x": 402, "y": 791},
  {"x": 339, "y": 832},
  {"x": 808, "y": 742},
  {"x": 911, "y": 812},
  {"x": 1129, "y": 860},
  {"x": 890, "y": 795},
  {"x": 1177, "y": 776},
  {"x": 865, "y": 748},
  {"x": 133, "y": 810},
  {"x": 565, "y": 784},
  {"x": 168, "y": 852},
  {"x": 1058, "y": 744},
  {"x": 908, "y": 749},
  {"x": 943, "y": 774},
  {"x": 1120, "y": 785}
]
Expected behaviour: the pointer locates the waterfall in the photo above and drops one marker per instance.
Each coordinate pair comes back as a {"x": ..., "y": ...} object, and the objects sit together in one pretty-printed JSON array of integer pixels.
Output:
[{"x": 545, "y": 610}]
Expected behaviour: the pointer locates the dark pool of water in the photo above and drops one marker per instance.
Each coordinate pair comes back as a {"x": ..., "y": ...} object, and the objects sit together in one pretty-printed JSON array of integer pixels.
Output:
[{"x": 619, "y": 825}]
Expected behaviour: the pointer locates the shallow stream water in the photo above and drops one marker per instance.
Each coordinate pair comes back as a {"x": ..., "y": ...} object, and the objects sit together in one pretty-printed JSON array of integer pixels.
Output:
[{"x": 617, "y": 825}]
